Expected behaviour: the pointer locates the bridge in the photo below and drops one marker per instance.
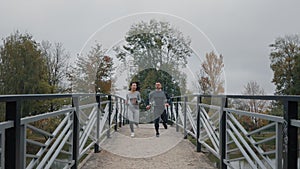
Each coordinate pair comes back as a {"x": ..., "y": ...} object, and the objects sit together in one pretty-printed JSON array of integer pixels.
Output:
[
  {"x": 145, "y": 150},
  {"x": 90, "y": 124}
]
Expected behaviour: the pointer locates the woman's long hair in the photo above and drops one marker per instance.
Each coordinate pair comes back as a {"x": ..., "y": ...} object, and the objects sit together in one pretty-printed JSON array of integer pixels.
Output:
[{"x": 137, "y": 86}]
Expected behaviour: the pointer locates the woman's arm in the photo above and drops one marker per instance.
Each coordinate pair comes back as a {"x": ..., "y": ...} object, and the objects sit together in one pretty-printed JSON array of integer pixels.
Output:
[
  {"x": 127, "y": 98},
  {"x": 139, "y": 98}
]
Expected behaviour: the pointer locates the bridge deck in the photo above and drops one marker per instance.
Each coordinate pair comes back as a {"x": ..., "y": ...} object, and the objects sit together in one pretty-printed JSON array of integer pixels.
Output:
[{"x": 147, "y": 151}]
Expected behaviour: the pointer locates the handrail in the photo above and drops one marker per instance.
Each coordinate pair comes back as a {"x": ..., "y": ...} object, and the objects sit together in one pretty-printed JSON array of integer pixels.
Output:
[
  {"x": 282, "y": 129},
  {"x": 60, "y": 141},
  {"x": 79, "y": 127},
  {"x": 252, "y": 97}
]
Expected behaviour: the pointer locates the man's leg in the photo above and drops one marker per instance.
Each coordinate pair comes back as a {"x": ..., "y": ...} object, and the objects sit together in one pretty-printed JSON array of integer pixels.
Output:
[
  {"x": 164, "y": 118},
  {"x": 156, "y": 125}
]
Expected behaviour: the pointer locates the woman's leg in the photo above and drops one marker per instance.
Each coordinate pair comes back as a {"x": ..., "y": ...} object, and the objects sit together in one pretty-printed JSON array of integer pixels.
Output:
[
  {"x": 136, "y": 117},
  {"x": 131, "y": 121},
  {"x": 131, "y": 126}
]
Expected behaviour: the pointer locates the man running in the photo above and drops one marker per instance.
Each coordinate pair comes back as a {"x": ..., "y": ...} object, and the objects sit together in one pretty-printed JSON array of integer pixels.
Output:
[{"x": 158, "y": 100}]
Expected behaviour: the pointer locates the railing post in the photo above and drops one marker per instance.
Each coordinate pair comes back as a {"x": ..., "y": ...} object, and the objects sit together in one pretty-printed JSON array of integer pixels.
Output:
[
  {"x": 14, "y": 143},
  {"x": 291, "y": 157},
  {"x": 96, "y": 146},
  {"x": 223, "y": 134},
  {"x": 176, "y": 109},
  {"x": 109, "y": 116},
  {"x": 123, "y": 112},
  {"x": 279, "y": 143},
  {"x": 198, "y": 123},
  {"x": 184, "y": 117},
  {"x": 116, "y": 115},
  {"x": 171, "y": 109},
  {"x": 120, "y": 113},
  {"x": 76, "y": 130}
]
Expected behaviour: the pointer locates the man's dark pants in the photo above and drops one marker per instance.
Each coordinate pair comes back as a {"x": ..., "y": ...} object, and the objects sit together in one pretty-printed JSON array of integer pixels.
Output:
[{"x": 164, "y": 118}]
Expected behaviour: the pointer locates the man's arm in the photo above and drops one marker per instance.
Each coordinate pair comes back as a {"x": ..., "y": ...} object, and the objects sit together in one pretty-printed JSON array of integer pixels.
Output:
[
  {"x": 166, "y": 99},
  {"x": 149, "y": 101}
]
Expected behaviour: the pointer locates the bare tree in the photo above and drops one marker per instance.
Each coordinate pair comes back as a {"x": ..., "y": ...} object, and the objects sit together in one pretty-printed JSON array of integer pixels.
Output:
[
  {"x": 57, "y": 65},
  {"x": 258, "y": 106},
  {"x": 252, "y": 105},
  {"x": 210, "y": 76},
  {"x": 93, "y": 72}
]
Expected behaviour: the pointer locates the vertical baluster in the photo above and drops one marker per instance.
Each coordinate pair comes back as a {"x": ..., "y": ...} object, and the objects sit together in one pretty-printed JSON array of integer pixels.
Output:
[
  {"x": 279, "y": 143},
  {"x": 116, "y": 115},
  {"x": 109, "y": 115},
  {"x": 76, "y": 130},
  {"x": 291, "y": 155},
  {"x": 120, "y": 112},
  {"x": 184, "y": 117},
  {"x": 96, "y": 146},
  {"x": 198, "y": 123},
  {"x": 223, "y": 133},
  {"x": 176, "y": 109},
  {"x": 14, "y": 143}
]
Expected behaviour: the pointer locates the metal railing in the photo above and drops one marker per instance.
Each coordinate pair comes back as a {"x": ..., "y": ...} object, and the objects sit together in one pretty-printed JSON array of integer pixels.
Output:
[
  {"x": 56, "y": 139},
  {"x": 61, "y": 138},
  {"x": 219, "y": 129}
]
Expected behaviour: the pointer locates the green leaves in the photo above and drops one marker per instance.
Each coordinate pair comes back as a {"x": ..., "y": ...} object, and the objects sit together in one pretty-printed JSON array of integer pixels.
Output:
[
  {"x": 22, "y": 67},
  {"x": 156, "y": 45},
  {"x": 93, "y": 72},
  {"x": 284, "y": 63}
]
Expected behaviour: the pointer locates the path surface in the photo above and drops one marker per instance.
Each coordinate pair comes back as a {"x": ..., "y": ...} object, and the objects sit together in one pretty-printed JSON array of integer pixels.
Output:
[{"x": 169, "y": 151}]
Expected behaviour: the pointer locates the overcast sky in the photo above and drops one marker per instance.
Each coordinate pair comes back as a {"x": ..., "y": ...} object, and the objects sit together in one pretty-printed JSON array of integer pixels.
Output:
[{"x": 239, "y": 30}]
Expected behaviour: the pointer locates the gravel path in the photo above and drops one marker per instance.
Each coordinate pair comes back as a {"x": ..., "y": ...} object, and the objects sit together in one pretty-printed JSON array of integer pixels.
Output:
[{"x": 145, "y": 151}]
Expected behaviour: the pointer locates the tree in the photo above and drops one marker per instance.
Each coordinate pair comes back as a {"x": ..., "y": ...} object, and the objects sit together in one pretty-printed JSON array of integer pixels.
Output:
[
  {"x": 57, "y": 65},
  {"x": 23, "y": 70},
  {"x": 210, "y": 76},
  {"x": 252, "y": 105},
  {"x": 103, "y": 79},
  {"x": 93, "y": 72},
  {"x": 203, "y": 81},
  {"x": 283, "y": 61},
  {"x": 56, "y": 60},
  {"x": 22, "y": 67},
  {"x": 156, "y": 45},
  {"x": 296, "y": 88}
]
